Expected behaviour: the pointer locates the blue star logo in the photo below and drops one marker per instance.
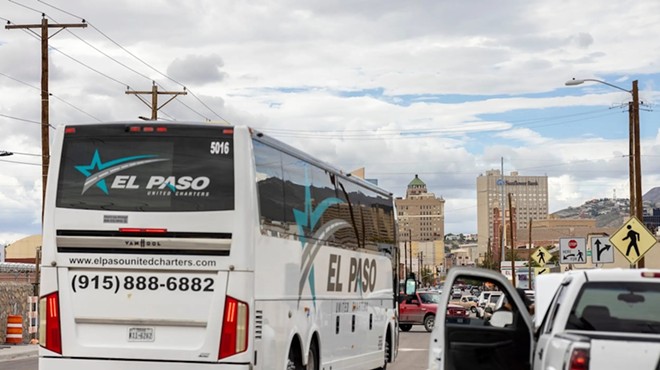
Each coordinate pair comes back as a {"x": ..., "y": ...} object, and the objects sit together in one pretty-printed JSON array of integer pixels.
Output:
[{"x": 109, "y": 168}]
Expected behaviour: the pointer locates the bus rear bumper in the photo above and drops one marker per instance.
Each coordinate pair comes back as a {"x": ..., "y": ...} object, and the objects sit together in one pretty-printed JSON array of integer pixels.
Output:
[{"x": 51, "y": 363}]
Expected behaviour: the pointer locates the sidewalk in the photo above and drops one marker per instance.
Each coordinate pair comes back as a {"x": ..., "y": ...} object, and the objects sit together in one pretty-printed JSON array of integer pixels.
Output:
[{"x": 12, "y": 352}]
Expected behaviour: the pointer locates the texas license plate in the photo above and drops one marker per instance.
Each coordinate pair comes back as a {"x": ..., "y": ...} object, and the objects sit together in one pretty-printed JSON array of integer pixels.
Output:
[{"x": 141, "y": 335}]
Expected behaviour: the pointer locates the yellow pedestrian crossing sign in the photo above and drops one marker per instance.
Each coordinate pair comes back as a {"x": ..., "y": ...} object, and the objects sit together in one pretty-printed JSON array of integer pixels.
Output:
[
  {"x": 541, "y": 256},
  {"x": 541, "y": 271},
  {"x": 633, "y": 240}
]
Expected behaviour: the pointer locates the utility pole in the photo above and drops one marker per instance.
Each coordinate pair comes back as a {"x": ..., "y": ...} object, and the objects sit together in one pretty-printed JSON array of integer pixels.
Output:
[
  {"x": 410, "y": 245},
  {"x": 639, "y": 207},
  {"x": 154, "y": 98},
  {"x": 45, "y": 123},
  {"x": 513, "y": 262},
  {"x": 529, "y": 256},
  {"x": 405, "y": 259}
]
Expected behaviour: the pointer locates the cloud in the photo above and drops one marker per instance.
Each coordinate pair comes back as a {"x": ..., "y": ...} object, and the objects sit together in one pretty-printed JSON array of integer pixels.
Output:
[
  {"x": 197, "y": 69},
  {"x": 583, "y": 40}
]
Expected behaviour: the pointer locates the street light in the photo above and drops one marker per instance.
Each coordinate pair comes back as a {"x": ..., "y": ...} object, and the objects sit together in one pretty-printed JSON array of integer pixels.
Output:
[{"x": 635, "y": 166}]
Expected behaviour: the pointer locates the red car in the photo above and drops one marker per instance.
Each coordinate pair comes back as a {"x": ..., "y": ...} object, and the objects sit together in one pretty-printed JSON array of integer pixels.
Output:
[
  {"x": 418, "y": 309},
  {"x": 457, "y": 314}
]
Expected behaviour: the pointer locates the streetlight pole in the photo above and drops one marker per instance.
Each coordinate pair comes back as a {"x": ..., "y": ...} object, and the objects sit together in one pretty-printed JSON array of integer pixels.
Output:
[{"x": 635, "y": 160}]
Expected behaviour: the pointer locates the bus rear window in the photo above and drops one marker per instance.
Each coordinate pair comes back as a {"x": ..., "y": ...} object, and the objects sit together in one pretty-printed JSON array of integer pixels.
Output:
[{"x": 180, "y": 169}]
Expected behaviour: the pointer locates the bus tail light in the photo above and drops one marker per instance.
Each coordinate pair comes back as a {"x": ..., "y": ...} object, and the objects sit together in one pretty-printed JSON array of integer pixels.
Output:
[
  {"x": 234, "y": 337},
  {"x": 50, "y": 333},
  {"x": 579, "y": 359},
  {"x": 135, "y": 230}
]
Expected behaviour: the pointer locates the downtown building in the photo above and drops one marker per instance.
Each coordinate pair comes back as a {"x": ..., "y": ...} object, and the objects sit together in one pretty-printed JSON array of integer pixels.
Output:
[
  {"x": 529, "y": 200},
  {"x": 421, "y": 220}
]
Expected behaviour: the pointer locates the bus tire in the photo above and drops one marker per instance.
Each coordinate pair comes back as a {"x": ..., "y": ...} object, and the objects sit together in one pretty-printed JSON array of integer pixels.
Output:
[
  {"x": 294, "y": 360},
  {"x": 312, "y": 357},
  {"x": 387, "y": 349}
]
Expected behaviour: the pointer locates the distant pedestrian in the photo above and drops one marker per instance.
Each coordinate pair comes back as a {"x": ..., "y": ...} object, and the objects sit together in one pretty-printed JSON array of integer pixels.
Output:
[{"x": 579, "y": 256}]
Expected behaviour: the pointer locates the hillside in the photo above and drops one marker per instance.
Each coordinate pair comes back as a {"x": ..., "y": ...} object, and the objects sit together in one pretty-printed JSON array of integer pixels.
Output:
[
  {"x": 607, "y": 212},
  {"x": 652, "y": 196}
]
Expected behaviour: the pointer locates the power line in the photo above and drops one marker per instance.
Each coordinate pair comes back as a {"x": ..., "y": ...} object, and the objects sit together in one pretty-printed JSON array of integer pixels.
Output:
[
  {"x": 19, "y": 162},
  {"x": 140, "y": 60},
  {"x": 53, "y": 95},
  {"x": 25, "y": 120},
  {"x": 29, "y": 154}
]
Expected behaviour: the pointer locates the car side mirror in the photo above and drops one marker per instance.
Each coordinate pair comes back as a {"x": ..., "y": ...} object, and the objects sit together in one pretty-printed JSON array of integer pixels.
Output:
[
  {"x": 411, "y": 286},
  {"x": 414, "y": 301},
  {"x": 501, "y": 319}
]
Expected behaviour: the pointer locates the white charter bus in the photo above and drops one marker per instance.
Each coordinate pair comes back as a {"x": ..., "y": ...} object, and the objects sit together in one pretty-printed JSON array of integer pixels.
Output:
[{"x": 198, "y": 246}]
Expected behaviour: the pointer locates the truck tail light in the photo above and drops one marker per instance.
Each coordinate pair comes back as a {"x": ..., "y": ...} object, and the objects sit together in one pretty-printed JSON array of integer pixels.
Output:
[
  {"x": 234, "y": 337},
  {"x": 579, "y": 359},
  {"x": 50, "y": 332}
]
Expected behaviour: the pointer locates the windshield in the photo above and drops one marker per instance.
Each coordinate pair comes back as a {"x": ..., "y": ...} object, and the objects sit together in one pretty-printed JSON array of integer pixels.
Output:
[
  {"x": 176, "y": 168},
  {"x": 429, "y": 297},
  {"x": 617, "y": 306}
]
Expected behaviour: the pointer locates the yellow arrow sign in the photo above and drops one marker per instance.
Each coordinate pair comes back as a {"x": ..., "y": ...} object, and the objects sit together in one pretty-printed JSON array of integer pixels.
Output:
[
  {"x": 541, "y": 271},
  {"x": 541, "y": 256},
  {"x": 633, "y": 240}
]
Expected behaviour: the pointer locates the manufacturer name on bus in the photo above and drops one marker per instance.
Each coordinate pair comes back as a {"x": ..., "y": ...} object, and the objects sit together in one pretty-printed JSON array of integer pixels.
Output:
[{"x": 362, "y": 274}]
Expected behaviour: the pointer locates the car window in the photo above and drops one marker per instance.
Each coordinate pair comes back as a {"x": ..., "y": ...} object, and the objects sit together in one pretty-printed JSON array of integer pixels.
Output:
[
  {"x": 630, "y": 307},
  {"x": 554, "y": 308},
  {"x": 429, "y": 297}
]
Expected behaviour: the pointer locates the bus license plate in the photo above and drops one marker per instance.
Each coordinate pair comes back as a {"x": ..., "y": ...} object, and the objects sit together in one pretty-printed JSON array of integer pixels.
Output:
[{"x": 141, "y": 335}]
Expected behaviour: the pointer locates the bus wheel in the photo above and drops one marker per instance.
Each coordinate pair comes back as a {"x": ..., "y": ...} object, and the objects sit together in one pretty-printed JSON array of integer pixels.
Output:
[
  {"x": 312, "y": 358},
  {"x": 386, "y": 351},
  {"x": 294, "y": 361}
]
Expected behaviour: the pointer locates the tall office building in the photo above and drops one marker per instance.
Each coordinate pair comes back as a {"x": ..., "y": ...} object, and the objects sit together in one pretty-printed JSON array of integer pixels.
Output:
[
  {"x": 421, "y": 217},
  {"x": 529, "y": 200}
]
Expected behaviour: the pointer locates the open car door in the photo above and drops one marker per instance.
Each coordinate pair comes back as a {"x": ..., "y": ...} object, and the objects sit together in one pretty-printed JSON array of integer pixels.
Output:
[{"x": 497, "y": 338}]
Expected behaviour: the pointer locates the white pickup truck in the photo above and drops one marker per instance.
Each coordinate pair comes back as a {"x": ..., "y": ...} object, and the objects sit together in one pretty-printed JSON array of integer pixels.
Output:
[{"x": 581, "y": 320}]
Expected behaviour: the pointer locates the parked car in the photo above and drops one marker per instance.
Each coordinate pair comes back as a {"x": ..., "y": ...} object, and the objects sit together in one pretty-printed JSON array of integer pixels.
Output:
[
  {"x": 456, "y": 293},
  {"x": 483, "y": 298},
  {"x": 466, "y": 302}
]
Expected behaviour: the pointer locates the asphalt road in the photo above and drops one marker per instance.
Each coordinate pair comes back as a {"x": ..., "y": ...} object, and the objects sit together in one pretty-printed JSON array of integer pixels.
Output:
[
  {"x": 413, "y": 353},
  {"x": 22, "y": 364},
  {"x": 413, "y": 350}
]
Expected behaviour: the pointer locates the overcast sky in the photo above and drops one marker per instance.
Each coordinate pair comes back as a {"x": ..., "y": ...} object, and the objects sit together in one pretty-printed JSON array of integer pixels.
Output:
[{"x": 443, "y": 89}]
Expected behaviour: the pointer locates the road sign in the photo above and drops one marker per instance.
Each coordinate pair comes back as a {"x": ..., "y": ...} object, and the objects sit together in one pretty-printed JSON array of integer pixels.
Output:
[
  {"x": 572, "y": 250},
  {"x": 541, "y": 271},
  {"x": 633, "y": 240},
  {"x": 601, "y": 249},
  {"x": 541, "y": 256}
]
